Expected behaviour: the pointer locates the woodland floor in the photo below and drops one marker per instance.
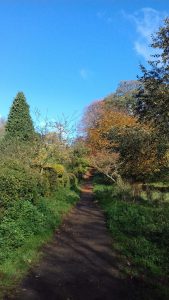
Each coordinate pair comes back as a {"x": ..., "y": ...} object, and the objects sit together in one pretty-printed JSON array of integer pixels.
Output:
[{"x": 79, "y": 263}]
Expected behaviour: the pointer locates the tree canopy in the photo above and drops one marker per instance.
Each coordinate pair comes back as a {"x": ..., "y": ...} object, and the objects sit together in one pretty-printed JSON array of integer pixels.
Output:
[{"x": 153, "y": 97}]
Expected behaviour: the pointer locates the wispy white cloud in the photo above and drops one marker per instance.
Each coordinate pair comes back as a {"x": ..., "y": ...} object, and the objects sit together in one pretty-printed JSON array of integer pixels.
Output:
[
  {"x": 143, "y": 49},
  {"x": 147, "y": 21},
  {"x": 84, "y": 73},
  {"x": 102, "y": 15}
]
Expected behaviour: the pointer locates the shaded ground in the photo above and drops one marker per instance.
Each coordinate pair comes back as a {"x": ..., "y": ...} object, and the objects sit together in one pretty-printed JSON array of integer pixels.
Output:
[{"x": 79, "y": 264}]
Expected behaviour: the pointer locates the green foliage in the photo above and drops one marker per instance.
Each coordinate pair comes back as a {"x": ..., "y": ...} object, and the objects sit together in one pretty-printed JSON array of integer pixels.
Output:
[
  {"x": 123, "y": 190},
  {"x": 59, "y": 169},
  {"x": 19, "y": 123},
  {"x": 80, "y": 167},
  {"x": 73, "y": 182},
  {"x": 36, "y": 189},
  {"x": 21, "y": 221},
  {"x": 24, "y": 227},
  {"x": 57, "y": 176},
  {"x": 53, "y": 207},
  {"x": 141, "y": 231},
  {"x": 19, "y": 182},
  {"x": 79, "y": 162},
  {"x": 153, "y": 97},
  {"x": 124, "y": 98},
  {"x": 2, "y": 128},
  {"x": 141, "y": 153},
  {"x": 24, "y": 219}
]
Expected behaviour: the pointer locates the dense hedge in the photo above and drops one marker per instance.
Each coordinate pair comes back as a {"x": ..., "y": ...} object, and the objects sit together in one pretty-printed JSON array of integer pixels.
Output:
[
  {"x": 30, "y": 202},
  {"x": 24, "y": 219},
  {"x": 57, "y": 176},
  {"x": 31, "y": 208},
  {"x": 19, "y": 182}
]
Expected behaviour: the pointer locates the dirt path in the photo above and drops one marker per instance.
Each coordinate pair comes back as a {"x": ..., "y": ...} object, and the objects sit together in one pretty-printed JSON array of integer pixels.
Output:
[{"x": 79, "y": 264}]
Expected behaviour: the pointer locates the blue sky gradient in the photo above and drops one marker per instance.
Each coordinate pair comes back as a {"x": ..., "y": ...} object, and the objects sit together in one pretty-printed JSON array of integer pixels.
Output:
[{"x": 65, "y": 54}]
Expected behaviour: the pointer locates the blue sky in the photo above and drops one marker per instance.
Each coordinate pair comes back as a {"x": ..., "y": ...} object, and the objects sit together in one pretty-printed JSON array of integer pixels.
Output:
[{"x": 65, "y": 54}]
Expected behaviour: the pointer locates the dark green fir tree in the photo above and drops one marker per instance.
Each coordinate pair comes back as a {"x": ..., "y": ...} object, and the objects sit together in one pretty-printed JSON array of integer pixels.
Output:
[{"x": 19, "y": 123}]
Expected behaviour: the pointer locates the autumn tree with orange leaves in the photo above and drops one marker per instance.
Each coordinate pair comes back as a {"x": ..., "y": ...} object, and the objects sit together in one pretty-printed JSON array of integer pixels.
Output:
[
  {"x": 119, "y": 144},
  {"x": 98, "y": 122}
]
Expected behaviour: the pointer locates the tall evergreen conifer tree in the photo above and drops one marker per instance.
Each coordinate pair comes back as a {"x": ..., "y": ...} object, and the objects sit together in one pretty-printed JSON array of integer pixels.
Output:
[{"x": 19, "y": 123}]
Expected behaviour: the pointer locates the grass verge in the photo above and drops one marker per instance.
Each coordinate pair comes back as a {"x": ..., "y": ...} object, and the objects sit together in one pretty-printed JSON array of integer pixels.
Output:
[{"x": 140, "y": 231}]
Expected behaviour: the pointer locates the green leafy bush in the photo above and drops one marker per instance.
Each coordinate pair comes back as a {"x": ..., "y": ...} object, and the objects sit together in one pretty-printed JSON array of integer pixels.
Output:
[
  {"x": 19, "y": 182},
  {"x": 20, "y": 221},
  {"x": 57, "y": 176},
  {"x": 80, "y": 167},
  {"x": 16, "y": 184},
  {"x": 73, "y": 182},
  {"x": 23, "y": 219}
]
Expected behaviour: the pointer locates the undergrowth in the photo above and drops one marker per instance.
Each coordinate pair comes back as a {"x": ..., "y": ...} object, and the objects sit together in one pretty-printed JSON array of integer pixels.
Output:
[{"x": 24, "y": 228}]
